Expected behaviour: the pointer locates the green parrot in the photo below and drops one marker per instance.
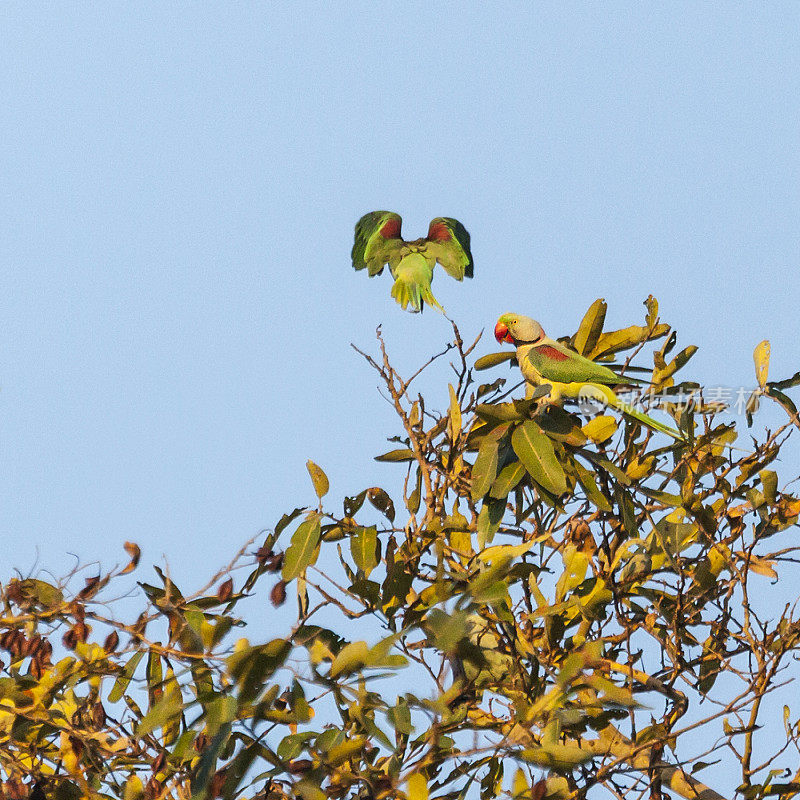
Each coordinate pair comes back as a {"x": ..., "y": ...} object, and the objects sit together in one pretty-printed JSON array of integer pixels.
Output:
[
  {"x": 378, "y": 242},
  {"x": 543, "y": 360}
]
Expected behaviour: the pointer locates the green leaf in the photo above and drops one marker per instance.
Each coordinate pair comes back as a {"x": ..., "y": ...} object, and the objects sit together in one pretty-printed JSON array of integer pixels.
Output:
[
  {"x": 493, "y": 359},
  {"x": 535, "y": 450},
  {"x": 396, "y": 456},
  {"x": 221, "y": 710},
  {"x": 400, "y": 717},
  {"x": 154, "y": 675},
  {"x": 703, "y": 764},
  {"x": 576, "y": 562},
  {"x": 609, "y": 466},
  {"x": 284, "y": 522},
  {"x": 561, "y": 426},
  {"x": 661, "y": 374},
  {"x": 318, "y": 478},
  {"x": 627, "y": 511},
  {"x": 122, "y": 682},
  {"x": 591, "y": 327},
  {"x": 486, "y": 388},
  {"x": 484, "y": 470},
  {"x": 498, "y": 412},
  {"x": 250, "y": 667},
  {"x": 769, "y": 480},
  {"x": 395, "y": 586},
  {"x": 560, "y": 757},
  {"x": 489, "y": 519},
  {"x": 364, "y": 549},
  {"x": 593, "y": 493},
  {"x": 345, "y": 751},
  {"x": 788, "y": 383},
  {"x": 205, "y": 768},
  {"x": 415, "y": 497},
  {"x": 509, "y": 477},
  {"x": 783, "y": 399},
  {"x": 302, "y": 551},
  {"x": 168, "y": 708},
  {"x": 672, "y": 500}
]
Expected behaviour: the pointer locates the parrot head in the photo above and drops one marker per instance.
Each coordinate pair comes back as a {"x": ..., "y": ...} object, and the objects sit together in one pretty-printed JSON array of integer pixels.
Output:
[{"x": 516, "y": 329}]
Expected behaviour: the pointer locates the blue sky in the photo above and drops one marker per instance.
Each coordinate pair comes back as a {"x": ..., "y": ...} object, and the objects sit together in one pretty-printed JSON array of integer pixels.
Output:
[{"x": 179, "y": 188}]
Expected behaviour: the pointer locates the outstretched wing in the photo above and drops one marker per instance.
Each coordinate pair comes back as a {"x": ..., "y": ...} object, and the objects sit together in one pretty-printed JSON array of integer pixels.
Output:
[
  {"x": 377, "y": 241},
  {"x": 450, "y": 244},
  {"x": 555, "y": 362}
]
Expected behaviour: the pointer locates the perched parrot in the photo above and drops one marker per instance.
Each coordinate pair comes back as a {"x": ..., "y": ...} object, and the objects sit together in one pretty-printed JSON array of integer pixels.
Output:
[
  {"x": 543, "y": 360},
  {"x": 378, "y": 243}
]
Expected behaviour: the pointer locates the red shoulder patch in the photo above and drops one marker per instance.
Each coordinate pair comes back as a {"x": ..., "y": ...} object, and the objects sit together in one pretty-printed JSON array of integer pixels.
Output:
[
  {"x": 391, "y": 229},
  {"x": 550, "y": 352},
  {"x": 439, "y": 232}
]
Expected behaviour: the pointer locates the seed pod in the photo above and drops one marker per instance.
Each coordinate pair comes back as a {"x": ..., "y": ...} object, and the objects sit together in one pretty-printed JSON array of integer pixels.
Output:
[
  {"x": 99, "y": 716},
  {"x": 70, "y": 639},
  {"x": 278, "y": 594},
  {"x": 82, "y": 631},
  {"x": 225, "y": 591}
]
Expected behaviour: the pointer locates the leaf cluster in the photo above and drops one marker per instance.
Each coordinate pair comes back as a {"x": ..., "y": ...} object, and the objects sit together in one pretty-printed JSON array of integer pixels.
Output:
[{"x": 538, "y": 602}]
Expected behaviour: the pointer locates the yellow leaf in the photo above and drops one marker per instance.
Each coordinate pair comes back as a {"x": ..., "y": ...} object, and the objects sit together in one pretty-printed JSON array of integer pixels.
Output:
[
  {"x": 638, "y": 469},
  {"x": 318, "y": 478},
  {"x": 319, "y": 652},
  {"x": 520, "y": 785},
  {"x": 344, "y": 751},
  {"x": 417, "y": 788},
  {"x": 600, "y": 428},
  {"x": 761, "y": 360},
  {"x": 557, "y": 756},
  {"x": 739, "y": 511},
  {"x": 508, "y": 552},
  {"x": 557, "y": 788},
  {"x": 454, "y": 415},
  {"x": 591, "y": 327},
  {"x": 69, "y": 758},
  {"x": 134, "y": 788},
  {"x": 351, "y": 657},
  {"x": 762, "y": 566}
]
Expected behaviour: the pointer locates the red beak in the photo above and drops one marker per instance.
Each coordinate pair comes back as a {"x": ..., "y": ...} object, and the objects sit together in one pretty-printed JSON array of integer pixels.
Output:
[{"x": 501, "y": 333}]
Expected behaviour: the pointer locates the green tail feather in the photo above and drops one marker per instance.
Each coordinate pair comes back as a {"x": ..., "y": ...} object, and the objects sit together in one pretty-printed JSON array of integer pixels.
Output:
[
  {"x": 409, "y": 292},
  {"x": 652, "y": 423},
  {"x": 412, "y": 284}
]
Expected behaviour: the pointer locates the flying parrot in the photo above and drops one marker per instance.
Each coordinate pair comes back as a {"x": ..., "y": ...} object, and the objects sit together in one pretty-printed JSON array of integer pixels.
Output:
[
  {"x": 378, "y": 242},
  {"x": 543, "y": 360}
]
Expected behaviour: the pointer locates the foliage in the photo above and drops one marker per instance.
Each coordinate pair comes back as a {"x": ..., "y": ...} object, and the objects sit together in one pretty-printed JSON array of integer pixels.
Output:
[{"x": 552, "y": 603}]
